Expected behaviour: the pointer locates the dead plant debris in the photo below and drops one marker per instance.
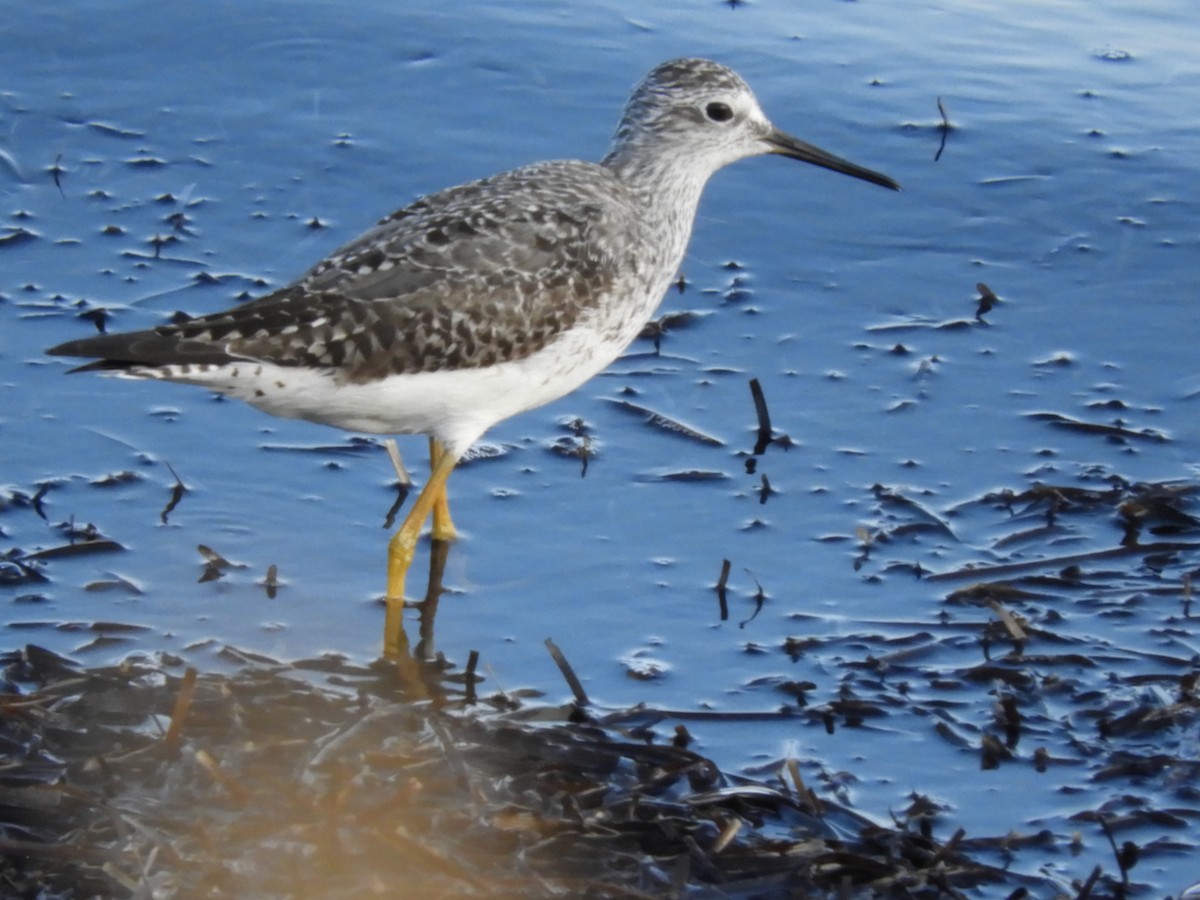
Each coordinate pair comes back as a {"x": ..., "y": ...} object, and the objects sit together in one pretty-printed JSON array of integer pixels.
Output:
[{"x": 137, "y": 780}]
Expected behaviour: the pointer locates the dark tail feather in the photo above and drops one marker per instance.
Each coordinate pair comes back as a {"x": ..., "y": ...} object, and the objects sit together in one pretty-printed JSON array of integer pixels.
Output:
[{"x": 155, "y": 347}]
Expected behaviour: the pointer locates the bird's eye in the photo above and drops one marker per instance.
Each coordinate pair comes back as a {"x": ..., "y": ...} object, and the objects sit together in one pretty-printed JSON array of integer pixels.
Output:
[{"x": 718, "y": 112}]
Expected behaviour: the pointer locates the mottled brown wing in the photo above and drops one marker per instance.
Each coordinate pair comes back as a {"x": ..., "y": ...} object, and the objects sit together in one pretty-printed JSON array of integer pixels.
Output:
[{"x": 478, "y": 274}]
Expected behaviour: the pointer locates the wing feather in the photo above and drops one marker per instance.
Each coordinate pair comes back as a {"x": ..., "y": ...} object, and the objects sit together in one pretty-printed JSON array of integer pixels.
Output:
[{"x": 477, "y": 274}]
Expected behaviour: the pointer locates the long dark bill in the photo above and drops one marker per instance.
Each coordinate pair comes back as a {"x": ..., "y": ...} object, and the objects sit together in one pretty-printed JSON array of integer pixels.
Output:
[{"x": 785, "y": 145}]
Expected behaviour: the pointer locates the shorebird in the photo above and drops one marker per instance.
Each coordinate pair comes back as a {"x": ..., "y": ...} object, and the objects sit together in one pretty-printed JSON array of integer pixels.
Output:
[{"x": 480, "y": 301}]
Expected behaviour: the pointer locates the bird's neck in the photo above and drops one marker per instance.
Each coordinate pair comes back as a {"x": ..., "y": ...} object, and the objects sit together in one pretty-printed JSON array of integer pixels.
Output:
[{"x": 666, "y": 188}]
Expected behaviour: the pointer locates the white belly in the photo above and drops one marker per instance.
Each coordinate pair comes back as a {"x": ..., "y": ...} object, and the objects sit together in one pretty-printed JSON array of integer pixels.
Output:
[{"x": 456, "y": 406}]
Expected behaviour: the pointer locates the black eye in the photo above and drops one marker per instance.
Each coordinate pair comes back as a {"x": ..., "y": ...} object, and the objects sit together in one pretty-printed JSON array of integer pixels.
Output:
[{"x": 718, "y": 112}]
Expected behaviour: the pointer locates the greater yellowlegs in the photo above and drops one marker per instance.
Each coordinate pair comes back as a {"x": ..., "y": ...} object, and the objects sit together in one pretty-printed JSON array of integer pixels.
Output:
[{"x": 483, "y": 300}]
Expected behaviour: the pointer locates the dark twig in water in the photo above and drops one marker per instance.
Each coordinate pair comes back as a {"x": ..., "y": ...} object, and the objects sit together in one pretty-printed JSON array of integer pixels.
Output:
[
  {"x": 469, "y": 677},
  {"x": 36, "y": 500},
  {"x": 991, "y": 753},
  {"x": 722, "y": 597},
  {"x": 944, "y": 128},
  {"x": 83, "y": 548},
  {"x": 759, "y": 598},
  {"x": 1012, "y": 721},
  {"x": 1059, "y": 562},
  {"x": 1115, "y": 431},
  {"x": 1126, "y": 855},
  {"x": 666, "y": 423},
  {"x": 394, "y": 509},
  {"x": 987, "y": 300},
  {"x": 98, "y": 316},
  {"x": 583, "y": 440},
  {"x": 764, "y": 417},
  {"x": 1086, "y": 891},
  {"x": 765, "y": 490},
  {"x": 948, "y": 849},
  {"x": 573, "y": 682},
  {"x": 271, "y": 582},
  {"x": 656, "y": 329},
  {"x": 177, "y": 492},
  {"x": 214, "y": 564},
  {"x": 56, "y": 172}
]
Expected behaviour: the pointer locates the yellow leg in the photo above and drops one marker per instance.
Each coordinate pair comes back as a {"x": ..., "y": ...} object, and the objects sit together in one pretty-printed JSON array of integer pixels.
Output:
[
  {"x": 443, "y": 528},
  {"x": 401, "y": 548}
]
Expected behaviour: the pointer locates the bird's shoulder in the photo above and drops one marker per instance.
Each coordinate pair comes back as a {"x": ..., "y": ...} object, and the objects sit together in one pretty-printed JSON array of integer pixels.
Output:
[
  {"x": 474, "y": 275},
  {"x": 550, "y": 217}
]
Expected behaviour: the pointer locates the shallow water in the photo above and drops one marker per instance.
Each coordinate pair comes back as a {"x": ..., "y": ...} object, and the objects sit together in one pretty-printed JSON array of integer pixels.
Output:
[{"x": 258, "y": 138}]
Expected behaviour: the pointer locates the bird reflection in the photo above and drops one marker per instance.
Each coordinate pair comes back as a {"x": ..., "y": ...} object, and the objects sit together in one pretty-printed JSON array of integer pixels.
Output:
[
  {"x": 439, "y": 552},
  {"x": 418, "y": 665}
]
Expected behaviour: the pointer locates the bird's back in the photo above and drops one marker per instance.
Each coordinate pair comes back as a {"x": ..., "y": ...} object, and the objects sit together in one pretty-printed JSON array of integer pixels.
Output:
[{"x": 476, "y": 274}]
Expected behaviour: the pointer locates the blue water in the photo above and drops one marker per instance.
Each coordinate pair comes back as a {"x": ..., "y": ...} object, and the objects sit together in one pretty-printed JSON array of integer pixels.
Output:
[{"x": 277, "y": 131}]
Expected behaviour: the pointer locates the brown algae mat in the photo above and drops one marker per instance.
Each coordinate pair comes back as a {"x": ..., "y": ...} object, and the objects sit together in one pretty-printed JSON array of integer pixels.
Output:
[{"x": 326, "y": 779}]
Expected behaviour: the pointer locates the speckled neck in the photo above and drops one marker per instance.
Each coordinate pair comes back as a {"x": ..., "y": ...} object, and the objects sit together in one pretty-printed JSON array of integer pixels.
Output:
[{"x": 666, "y": 185}]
